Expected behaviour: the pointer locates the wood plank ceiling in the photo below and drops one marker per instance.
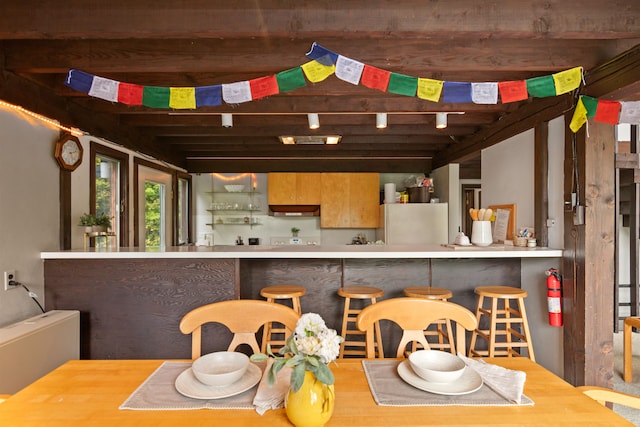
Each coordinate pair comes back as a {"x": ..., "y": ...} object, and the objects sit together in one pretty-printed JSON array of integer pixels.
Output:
[{"x": 199, "y": 43}]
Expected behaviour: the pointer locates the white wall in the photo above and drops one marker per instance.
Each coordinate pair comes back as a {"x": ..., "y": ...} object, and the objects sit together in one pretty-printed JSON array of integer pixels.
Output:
[
  {"x": 507, "y": 177},
  {"x": 29, "y": 209},
  {"x": 447, "y": 188}
]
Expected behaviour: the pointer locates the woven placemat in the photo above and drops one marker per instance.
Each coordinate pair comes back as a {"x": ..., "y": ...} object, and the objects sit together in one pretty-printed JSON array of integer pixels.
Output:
[
  {"x": 388, "y": 389},
  {"x": 158, "y": 392}
]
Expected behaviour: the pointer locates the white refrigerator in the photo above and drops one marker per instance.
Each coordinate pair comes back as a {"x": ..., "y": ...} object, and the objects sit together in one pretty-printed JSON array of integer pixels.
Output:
[{"x": 414, "y": 223}]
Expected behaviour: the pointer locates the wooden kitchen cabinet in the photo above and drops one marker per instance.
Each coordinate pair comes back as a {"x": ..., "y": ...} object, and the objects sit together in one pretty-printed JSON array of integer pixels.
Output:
[
  {"x": 292, "y": 188},
  {"x": 350, "y": 200}
]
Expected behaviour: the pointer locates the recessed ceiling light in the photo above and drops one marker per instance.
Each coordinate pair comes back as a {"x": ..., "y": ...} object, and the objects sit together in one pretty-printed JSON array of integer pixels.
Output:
[
  {"x": 381, "y": 120},
  {"x": 441, "y": 120},
  {"x": 314, "y": 121}
]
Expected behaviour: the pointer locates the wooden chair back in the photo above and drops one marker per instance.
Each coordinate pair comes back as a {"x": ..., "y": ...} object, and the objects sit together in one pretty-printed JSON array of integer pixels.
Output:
[
  {"x": 603, "y": 395},
  {"x": 243, "y": 318},
  {"x": 414, "y": 315}
]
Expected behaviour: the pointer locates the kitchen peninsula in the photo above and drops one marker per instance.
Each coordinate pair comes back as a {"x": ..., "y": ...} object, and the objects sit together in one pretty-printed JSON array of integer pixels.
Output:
[{"x": 132, "y": 300}]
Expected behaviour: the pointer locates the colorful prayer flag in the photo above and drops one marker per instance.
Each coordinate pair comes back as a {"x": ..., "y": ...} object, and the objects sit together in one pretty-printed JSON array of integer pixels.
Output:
[
  {"x": 512, "y": 91},
  {"x": 208, "y": 96},
  {"x": 591, "y": 104},
  {"x": 457, "y": 92},
  {"x": 484, "y": 93},
  {"x": 316, "y": 71},
  {"x": 106, "y": 89},
  {"x": 182, "y": 98},
  {"x": 430, "y": 89},
  {"x": 236, "y": 93},
  {"x": 579, "y": 117},
  {"x": 402, "y": 85},
  {"x": 375, "y": 78},
  {"x": 79, "y": 80},
  {"x": 155, "y": 97},
  {"x": 566, "y": 81},
  {"x": 541, "y": 87},
  {"x": 290, "y": 79},
  {"x": 630, "y": 112},
  {"x": 263, "y": 86},
  {"x": 607, "y": 112},
  {"x": 322, "y": 54},
  {"x": 130, "y": 94},
  {"x": 348, "y": 69}
]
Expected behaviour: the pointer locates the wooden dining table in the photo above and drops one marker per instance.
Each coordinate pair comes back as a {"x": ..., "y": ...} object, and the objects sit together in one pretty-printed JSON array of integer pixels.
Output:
[{"x": 90, "y": 392}]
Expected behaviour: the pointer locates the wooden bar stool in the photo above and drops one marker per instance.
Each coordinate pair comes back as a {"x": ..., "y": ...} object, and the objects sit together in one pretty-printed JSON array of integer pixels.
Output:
[
  {"x": 627, "y": 352},
  {"x": 273, "y": 293},
  {"x": 442, "y": 326},
  {"x": 352, "y": 347},
  {"x": 501, "y": 321}
]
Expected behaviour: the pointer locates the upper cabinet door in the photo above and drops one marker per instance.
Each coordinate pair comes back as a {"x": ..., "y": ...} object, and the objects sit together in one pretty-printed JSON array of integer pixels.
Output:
[
  {"x": 308, "y": 188},
  {"x": 290, "y": 188},
  {"x": 282, "y": 188},
  {"x": 350, "y": 200}
]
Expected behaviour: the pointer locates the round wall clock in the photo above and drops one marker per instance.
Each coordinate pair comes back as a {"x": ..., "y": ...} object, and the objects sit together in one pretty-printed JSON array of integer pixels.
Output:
[{"x": 68, "y": 152}]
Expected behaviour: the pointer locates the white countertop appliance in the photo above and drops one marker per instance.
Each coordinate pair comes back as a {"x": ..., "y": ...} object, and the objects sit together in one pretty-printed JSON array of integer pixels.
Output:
[{"x": 414, "y": 223}]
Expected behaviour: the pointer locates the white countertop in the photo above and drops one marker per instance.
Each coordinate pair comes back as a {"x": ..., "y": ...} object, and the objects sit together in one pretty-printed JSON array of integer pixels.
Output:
[{"x": 312, "y": 251}]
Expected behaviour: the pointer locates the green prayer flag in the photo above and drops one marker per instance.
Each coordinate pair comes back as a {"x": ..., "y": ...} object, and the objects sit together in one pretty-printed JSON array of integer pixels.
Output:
[
  {"x": 402, "y": 85},
  {"x": 156, "y": 97},
  {"x": 290, "y": 79},
  {"x": 541, "y": 87},
  {"x": 591, "y": 104}
]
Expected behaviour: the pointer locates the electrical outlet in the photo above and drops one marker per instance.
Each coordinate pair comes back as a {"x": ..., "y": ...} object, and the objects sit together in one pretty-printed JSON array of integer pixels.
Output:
[{"x": 8, "y": 276}]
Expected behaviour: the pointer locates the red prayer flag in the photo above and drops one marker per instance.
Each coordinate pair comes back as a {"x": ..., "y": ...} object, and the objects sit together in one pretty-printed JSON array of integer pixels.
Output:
[
  {"x": 263, "y": 86},
  {"x": 375, "y": 78},
  {"x": 513, "y": 91},
  {"x": 130, "y": 94},
  {"x": 607, "y": 112}
]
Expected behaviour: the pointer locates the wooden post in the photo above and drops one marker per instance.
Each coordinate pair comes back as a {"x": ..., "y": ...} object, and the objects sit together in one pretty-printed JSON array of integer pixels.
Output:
[{"x": 588, "y": 264}]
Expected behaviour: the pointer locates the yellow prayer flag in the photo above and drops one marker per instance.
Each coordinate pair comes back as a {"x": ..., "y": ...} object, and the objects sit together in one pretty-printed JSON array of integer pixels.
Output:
[
  {"x": 566, "y": 81},
  {"x": 579, "y": 116},
  {"x": 317, "y": 72},
  {"x": 182, "y": 97},
  {"x": 430, "y": 89}
]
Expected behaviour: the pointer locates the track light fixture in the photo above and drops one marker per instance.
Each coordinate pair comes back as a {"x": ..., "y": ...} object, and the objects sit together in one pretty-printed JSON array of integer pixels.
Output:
[
  {"x": 314, "y": 121},
  {"x": 441, "y": 120},
  {"x": 381, "y": 120},
  {"x": 227, "y": 120}
]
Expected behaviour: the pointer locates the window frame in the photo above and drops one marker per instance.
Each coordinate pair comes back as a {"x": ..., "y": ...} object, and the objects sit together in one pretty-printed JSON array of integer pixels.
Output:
[{"x": 97, "y": 149}]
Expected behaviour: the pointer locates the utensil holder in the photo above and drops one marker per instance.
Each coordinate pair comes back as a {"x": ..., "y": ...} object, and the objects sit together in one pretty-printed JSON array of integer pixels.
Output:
[{"x": 481, "y": 233}]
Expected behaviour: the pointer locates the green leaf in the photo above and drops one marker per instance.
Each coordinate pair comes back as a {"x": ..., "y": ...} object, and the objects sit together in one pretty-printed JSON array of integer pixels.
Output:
[
  {"x": 295, "y": 360},
  {"x": 324, "y": 374},
  {"x": 313, "y": 360},
  {"x": 277, "y": 365},
  {"x": 297, "y": 377},
  {"x": 258, "y": 357}
]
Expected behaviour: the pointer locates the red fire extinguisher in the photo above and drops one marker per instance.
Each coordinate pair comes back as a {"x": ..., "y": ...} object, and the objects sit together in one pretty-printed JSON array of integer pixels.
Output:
[{"x": 554, "y": 296}]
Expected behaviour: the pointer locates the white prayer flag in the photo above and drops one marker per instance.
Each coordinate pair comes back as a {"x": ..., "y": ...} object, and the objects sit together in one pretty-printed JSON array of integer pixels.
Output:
[
  {"x": 236, "y": 93},
  {"x": 630, "y": 112},
  {"x": 348, "y": 69},
  {"x": 106, "y": 89},
  {"x": 484, "y": 93}
]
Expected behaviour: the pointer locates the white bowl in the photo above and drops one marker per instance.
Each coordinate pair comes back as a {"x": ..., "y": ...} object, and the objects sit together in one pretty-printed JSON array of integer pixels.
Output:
[
  {"x": 221, "y": 368},
  {"x": 436, "y": 366},
  {"x": 234, "y": 188}
]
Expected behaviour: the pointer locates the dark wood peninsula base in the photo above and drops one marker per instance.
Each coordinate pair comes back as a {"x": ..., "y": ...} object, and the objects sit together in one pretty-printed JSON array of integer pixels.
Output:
[{"x": 131, "y": 306}]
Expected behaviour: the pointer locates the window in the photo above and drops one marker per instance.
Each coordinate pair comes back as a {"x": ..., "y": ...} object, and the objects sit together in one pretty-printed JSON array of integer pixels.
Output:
[
  {"x": 162, "y": 205},
  {"x": 109, "y": 189}
]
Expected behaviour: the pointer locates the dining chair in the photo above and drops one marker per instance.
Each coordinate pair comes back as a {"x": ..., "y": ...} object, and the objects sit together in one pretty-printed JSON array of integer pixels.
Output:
[
  {"x": 414, "y": 315},
  {"x": 627, "y": 352},
  {"x": 243, "y": 317},
  {"x": 606, "y": 395}
]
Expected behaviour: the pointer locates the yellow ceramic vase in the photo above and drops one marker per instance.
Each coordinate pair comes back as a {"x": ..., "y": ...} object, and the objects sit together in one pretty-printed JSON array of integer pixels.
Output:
[{"x": 312, "y": 405}]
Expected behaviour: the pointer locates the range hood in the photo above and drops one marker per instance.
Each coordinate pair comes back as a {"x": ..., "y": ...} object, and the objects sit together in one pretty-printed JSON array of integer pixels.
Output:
[{"x": 294, "y": 211}]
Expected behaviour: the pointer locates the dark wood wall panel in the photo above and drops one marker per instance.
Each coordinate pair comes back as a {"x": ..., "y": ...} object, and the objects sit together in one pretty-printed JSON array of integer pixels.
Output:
[{"x": 132, "y": 308}]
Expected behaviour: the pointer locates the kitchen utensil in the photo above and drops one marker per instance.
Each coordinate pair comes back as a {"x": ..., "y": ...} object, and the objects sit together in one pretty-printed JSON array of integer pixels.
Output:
[
  {"x": 488, "y": 214},
  {"x": 481, "y": 214}
]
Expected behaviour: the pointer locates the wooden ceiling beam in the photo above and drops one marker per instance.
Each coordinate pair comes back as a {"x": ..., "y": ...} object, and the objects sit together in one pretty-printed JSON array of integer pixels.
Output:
[
  {"x": 231, "y": 58},
  {"x": 124, "y": 19}
]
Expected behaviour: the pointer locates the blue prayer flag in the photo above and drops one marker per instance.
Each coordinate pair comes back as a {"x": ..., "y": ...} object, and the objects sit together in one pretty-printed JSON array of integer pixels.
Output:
[
  {"x": 208, "y": 96},
  {"x": 322, "y": 55},
  {"x": 79, "y": 80},
  {"x": 457, "y": 92}
]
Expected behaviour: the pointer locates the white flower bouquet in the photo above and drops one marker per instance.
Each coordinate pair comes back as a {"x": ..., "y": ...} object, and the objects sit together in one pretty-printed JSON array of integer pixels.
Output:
[{"x": 310, "y": 348}]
